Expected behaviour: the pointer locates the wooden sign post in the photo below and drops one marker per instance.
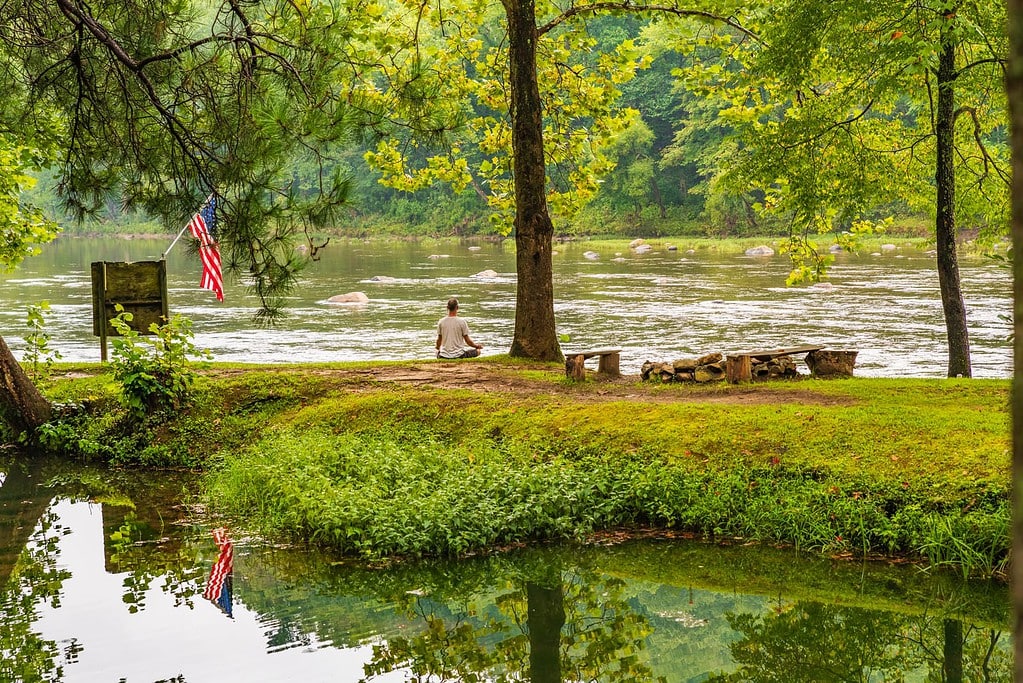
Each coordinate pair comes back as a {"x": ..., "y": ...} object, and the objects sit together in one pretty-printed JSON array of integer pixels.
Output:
[{"x": 140, "y": 288}]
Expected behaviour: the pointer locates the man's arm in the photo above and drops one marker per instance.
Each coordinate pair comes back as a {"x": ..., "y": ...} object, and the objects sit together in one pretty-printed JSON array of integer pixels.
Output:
[{"x": 470, "y": 342}]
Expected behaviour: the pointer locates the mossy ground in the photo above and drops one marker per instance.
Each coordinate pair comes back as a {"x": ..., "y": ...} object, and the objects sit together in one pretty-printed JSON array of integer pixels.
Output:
[{"x": 447, "y": 458}]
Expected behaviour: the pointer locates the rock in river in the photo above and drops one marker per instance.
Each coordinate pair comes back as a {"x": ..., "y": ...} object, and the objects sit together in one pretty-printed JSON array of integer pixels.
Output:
[{"x": 349, "y": 298}]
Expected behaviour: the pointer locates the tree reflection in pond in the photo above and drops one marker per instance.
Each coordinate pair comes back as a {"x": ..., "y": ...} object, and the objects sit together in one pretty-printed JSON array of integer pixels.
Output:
[
  {"x": 543, "y": 625},
  {"x": 813, "y": 642},
  {"x": 29, "y": 577}
]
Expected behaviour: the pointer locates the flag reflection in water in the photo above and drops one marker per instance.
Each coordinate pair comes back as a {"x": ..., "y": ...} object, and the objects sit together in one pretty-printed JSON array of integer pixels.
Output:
[{"x": 218, "y": 587}]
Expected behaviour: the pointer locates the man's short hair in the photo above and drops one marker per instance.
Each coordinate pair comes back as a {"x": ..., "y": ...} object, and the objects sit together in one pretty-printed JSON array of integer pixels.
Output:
[{"x": 452, "y": 304}]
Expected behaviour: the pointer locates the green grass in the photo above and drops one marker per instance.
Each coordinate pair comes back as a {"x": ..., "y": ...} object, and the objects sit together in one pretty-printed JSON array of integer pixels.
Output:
[{"x": 913, "y": 468}]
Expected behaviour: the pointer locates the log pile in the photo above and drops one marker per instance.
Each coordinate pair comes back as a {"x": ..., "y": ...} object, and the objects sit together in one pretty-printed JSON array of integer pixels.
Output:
[
  {"x": 712, "y": 368},
  {"x": 709, "y": 368}
]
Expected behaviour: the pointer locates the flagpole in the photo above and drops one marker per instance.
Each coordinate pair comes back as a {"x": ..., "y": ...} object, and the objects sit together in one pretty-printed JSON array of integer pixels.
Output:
[{"x": 163, "y": 256}]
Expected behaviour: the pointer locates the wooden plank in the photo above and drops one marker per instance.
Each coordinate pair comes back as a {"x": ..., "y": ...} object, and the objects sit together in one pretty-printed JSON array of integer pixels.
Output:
[
  {"x": 594, "y": 352},
  {"x": 775, "y": 353}
]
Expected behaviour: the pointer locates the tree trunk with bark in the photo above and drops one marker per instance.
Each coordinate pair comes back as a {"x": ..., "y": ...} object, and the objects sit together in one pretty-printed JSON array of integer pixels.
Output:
[
  {"x": 534, "y": 335},
  {"x": 1015, "y": 96},
  {"x": 945, "y": 227},
  {"x": 22, "y": 407}
]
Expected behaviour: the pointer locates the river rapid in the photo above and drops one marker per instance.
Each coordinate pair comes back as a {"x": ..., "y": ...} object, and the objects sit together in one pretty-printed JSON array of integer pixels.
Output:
[{"x": 659, "y": 305}]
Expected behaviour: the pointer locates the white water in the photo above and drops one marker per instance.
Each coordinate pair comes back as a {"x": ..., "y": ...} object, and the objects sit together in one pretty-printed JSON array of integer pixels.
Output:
[{"x": 656, "y": 306}]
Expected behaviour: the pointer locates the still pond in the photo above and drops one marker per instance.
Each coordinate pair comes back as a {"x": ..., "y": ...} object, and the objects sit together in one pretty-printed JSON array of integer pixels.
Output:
[{"x": 106, "y": 577}]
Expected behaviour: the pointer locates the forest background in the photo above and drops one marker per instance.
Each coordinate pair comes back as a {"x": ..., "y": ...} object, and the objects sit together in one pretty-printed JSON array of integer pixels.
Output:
[{"x": 663, "y": 171}]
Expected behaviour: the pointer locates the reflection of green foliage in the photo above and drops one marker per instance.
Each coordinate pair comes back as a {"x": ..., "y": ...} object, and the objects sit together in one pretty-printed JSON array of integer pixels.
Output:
[
  {"x": 494, "y": 637},
  {"x": 813, "y": 642},
  {"x": 24, "y": 654}
]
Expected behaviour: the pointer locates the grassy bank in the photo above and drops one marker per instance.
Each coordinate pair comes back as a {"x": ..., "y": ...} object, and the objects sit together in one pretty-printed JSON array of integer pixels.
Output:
[{"x": 352, "y": 457}]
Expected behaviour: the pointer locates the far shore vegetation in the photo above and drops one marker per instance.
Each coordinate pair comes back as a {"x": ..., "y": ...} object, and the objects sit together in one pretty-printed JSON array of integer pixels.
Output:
[{"x": 348, "y": 457}]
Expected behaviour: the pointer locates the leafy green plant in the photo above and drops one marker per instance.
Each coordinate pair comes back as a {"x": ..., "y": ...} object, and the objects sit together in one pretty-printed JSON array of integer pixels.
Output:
[
  {"x": 39, "y": 357},
  {"x": 154, "y": 371}
]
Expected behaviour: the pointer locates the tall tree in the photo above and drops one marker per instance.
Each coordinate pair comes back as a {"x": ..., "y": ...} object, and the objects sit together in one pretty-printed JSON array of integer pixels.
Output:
[
  {"x": 845, "y": 105},
  {"x": 542, "y": 117},
  {"x": 162, "y": 104},
  {"x": 1014, "y": 87},
  {"x": 165, "y": 103}
]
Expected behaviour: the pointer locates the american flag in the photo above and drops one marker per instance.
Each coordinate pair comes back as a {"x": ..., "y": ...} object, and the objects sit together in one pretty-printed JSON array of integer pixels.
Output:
[
  {"x": 202, "y": 228},
  {"x": 220, "y": 584}
]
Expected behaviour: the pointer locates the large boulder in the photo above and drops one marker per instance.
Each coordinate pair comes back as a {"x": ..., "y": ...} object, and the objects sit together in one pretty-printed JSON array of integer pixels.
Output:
[
  {"x": 762, "y": 250},
  {"x": 349, "y": 298},
  {"x": 488, "y": 274},
  {"x": 591, "y": 255},
  {"x": 635, "y": 243}
]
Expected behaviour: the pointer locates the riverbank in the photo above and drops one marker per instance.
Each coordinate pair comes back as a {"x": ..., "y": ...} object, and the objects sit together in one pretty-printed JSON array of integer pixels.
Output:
[{"x": 430, "y": 458}]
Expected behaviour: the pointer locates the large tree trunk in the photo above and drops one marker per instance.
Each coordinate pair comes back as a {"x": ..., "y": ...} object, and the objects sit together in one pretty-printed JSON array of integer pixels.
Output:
[
  {"x": 535, "y": 335},
  {"x": 945, "y": 179},
  {"x": 1015, "y": 92},
  {"x": 22, "y": 407}
]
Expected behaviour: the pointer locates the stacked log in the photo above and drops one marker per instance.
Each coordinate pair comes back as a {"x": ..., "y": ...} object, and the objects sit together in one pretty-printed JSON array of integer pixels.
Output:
[
  {"x": 782, "y": 366},
  {"x": 712, "y": 368},
  {"x": 708, "y": 368}
]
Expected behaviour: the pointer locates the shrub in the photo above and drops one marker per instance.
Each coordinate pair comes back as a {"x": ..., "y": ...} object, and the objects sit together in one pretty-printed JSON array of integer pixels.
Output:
[{"x": 154, "y": 372}]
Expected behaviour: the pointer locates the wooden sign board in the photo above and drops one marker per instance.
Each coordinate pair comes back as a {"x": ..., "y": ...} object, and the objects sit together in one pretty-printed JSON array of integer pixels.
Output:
[{"x": 140, "y": 288}]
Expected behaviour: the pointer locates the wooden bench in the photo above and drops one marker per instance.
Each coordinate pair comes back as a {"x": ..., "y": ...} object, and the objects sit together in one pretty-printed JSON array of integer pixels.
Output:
[
  {"x": 608, "y": 364},
  {"x": 739, "y": 366}
]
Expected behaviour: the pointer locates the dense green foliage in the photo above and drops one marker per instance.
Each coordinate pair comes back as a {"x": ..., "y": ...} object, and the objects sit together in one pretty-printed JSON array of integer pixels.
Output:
[
  {"x": 864, "y": 466},
  {"x": 668, "y": 155}
]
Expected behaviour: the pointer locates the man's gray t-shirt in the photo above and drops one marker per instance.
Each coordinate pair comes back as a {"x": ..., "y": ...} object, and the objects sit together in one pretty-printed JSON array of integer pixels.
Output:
[{"x": 452, "y": 331}]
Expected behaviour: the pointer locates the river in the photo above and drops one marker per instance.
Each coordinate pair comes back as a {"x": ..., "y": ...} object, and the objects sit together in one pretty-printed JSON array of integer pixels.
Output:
[{"x": 659, "y": 305}]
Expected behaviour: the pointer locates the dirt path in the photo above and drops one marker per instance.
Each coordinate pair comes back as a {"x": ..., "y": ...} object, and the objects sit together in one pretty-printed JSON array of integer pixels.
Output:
[{"x": 523, "y": 379}]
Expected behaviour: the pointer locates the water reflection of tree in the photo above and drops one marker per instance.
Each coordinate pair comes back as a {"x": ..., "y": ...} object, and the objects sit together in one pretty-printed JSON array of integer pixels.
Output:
[
  {"x": 29, "y": 577},
  {"x": 30, "y": 533},
  {"x": 546, "y": 626},
  {"x": 954, "y": 651},
  {"x": 820, "y": 643}
]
